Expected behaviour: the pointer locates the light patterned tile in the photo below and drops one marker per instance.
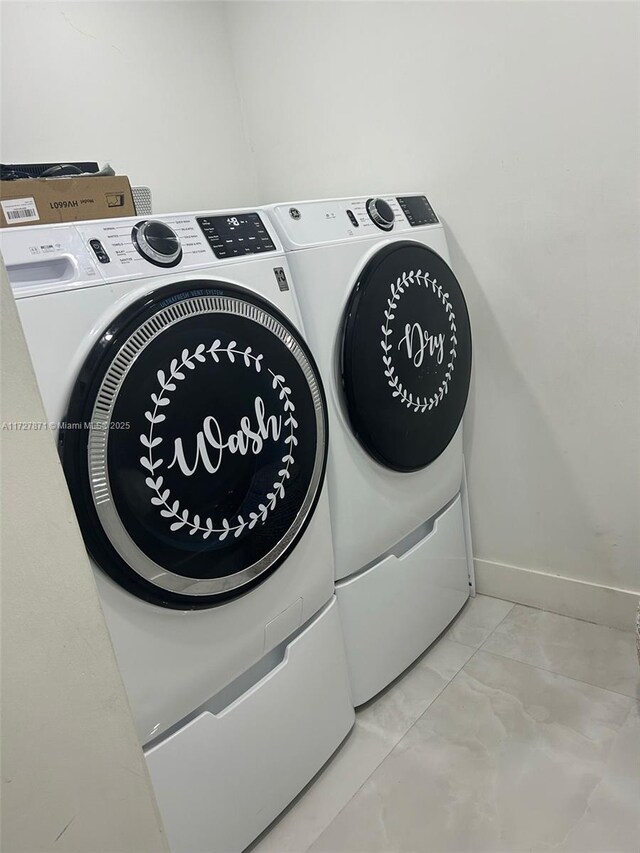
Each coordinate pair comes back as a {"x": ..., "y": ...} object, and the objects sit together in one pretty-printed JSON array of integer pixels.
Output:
[
  {"x": 330, "y": 791},
  {"x": 611, "y": 820},
  {"x": 592, "y": 653},
  {"x": 478, "y": 618},
  {"x": 508, "y": 758},
  {"x": 393, "y": 713},
  {"x": 379, "y": 726}
]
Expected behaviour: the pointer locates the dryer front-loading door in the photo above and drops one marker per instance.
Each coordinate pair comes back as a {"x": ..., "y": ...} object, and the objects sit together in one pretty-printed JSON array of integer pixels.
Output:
[
  {"x": 195, "y": 444},
  {"x": 406, "y": 356}
]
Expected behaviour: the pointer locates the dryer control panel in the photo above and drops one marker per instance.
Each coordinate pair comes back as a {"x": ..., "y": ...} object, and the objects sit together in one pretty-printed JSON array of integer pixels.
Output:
[{"x": 311, "y": 223}]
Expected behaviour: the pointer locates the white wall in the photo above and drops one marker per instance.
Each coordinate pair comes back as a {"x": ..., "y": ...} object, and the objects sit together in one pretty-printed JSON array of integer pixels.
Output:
[
  {"x": 520, "y": 122},
  {"x": 145, "y": 86},
  {"x": 74, "y": 779}
]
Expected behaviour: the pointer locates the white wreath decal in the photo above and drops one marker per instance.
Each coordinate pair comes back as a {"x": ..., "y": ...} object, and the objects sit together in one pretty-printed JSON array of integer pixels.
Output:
[
  {"x": 162, "y": 497},
  {"x": 417, "y": 403}
]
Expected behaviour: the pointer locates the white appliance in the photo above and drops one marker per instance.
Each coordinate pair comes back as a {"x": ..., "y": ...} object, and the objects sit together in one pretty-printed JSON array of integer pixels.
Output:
[
  {"x": 193, "y": 434},
  {"x": 388, "y": 325}
]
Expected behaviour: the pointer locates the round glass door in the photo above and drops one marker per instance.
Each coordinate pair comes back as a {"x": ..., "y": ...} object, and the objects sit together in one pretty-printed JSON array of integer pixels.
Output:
[
  {"x": 195, "y": 444},
  {"x": 406, "y": 356}
]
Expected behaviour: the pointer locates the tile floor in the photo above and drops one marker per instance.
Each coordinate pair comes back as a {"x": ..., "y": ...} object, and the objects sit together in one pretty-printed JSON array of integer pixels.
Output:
[{"x": 519, "y": 730}]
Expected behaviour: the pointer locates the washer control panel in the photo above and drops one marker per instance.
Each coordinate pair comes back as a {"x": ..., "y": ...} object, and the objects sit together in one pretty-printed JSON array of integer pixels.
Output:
[
  {"x": 136, "y": 247},
  {"x": 50, "y": 258},
  {"x": 417, "y": 210},
  {"x": 157, "y": 242},
  {"x": 236, "y": 234},
  {"x": 381, "y": 213},
  {"x": 311, "y": 223}
]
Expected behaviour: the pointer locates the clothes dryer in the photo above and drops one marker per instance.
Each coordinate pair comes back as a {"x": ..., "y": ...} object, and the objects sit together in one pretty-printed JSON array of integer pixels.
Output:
[{"x": 387, "y": 321}]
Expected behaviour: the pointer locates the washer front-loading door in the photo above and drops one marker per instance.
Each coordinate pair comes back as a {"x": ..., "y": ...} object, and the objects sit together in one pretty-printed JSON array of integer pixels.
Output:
[
  {"x": 195, "y": 444},
  {"x": 406, "y": 356}
]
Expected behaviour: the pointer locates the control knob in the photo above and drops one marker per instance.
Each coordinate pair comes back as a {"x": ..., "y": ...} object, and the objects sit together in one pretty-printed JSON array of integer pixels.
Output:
[
  {"x": 157, "y": 242},
  {"x": 380, "y": 213}
]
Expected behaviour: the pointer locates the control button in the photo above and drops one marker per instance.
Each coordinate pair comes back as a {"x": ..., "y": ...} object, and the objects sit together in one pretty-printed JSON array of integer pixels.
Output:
[
  {"x": 99, "y": 251},
  {"x": 353, "y": 219},
  {"x": 157, "y": 243},
  {"x": 380, "y": 213}
]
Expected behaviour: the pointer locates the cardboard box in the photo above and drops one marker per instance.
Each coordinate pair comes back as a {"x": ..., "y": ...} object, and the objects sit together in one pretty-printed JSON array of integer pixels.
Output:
[{"x": 43, "y": 201}]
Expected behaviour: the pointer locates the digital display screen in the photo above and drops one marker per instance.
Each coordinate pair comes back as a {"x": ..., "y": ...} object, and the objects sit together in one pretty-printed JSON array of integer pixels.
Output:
[
  {"x": 417, "y": 210},
  {"x": 236, "y": 234}
]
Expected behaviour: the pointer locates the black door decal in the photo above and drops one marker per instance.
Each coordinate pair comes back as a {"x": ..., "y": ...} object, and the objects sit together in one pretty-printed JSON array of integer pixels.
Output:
[
  {"x": 195, "y": 444},
  {"x": 406, "y": 356}
]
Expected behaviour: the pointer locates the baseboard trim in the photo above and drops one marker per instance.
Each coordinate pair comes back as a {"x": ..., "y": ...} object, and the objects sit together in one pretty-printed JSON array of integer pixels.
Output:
[{"x": 581, "y": 599}]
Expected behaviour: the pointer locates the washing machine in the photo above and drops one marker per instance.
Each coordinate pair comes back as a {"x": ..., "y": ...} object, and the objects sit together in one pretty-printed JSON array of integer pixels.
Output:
[
  {"x": 387, "y": 321},
  {"x": 192, "y": 429}
]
